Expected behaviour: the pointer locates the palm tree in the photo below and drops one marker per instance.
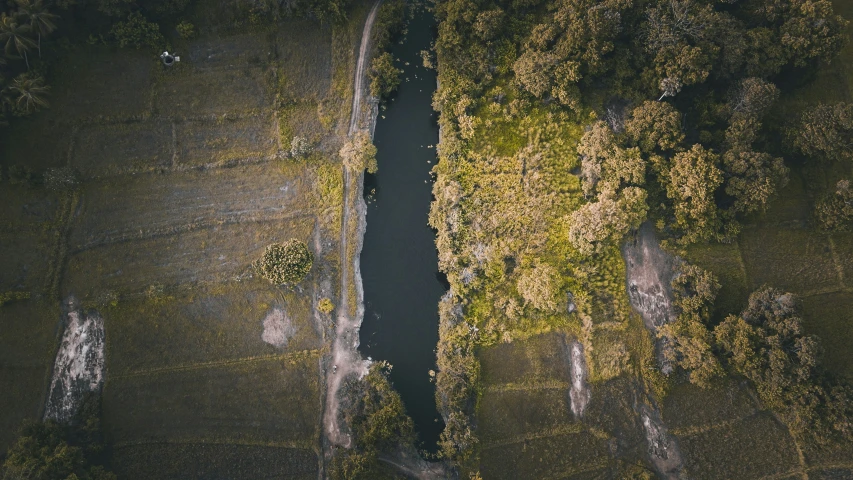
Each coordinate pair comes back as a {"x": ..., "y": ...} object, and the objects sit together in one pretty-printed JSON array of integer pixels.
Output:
[
  {"x": 40, "y": 18},
  {"x": 27, "y": 93},
  {"x": 15, "y": 37}
]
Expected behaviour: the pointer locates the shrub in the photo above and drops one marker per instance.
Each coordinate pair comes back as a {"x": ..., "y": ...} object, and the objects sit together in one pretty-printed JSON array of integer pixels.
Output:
[
  {"x": 384, "y": 76},
  {"x": 12, "y": 297},
  {"x": 834, "y": 212},
  {"x": 186, "y": 30},
  {"x": 326, "y": 306},
  {"x": 21, "y": 175},
  {"x": 137, "y": 32},
  {"x": 300, "y": 147},
  {"x": 285, "y": 263}
]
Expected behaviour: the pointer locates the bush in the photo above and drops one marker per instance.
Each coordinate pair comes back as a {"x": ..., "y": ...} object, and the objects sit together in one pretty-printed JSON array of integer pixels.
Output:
[
  {"x": 359, "y": 154},
  {"x": 326, "y": 306},
  {"x": 137, "y": 32},
  {"x": 186, "y": 30},
  {"x": 384, "y": 76},
  {"x": 300, "y": 147},
  {"x": 21, "y": 175},
  {"x": 285, "y": 263}
]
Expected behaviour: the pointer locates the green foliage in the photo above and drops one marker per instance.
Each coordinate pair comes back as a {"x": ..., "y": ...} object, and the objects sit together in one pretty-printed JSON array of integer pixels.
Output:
[
  {"x": 693, "y": 178},
  {"x": 285, "y": 263},
  {"x": 186, "y": 30},
  {"x": 26, "y": 94},
  {"x": 8, "y": 297},
  {"x": 359, "y": 154},
  {"x": 300, "y": 147},
  {"x": 325, "y": 305},
  {"x": 655, "y": 127},
  {"x": 384, "y": 76},
  {"x": 689, "y": 338},
  {"x": 49, "y": 451},
  {"x": 834, "y": 212},
  {"x": 378, "y": 422},
  {"x": 605, "y": 221},
  {"x": 137, "y": 32},
  {"x": 540, "y": 287},
  {"x": 766, "y": 344},
  {"x": 825, "y": 132}
]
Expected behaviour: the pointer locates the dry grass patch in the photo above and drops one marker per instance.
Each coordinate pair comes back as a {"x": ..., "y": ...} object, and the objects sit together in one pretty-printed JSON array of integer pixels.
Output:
[
  {"x": 223, "y": 52},
  {"x": 96, "y": 82},
  {"x": 305, "y": 55},
  {"x": 27, "y": 348},
  {"x": 105, "y": 150},
  {"x": 128, "y": 208},
  {"x": 215, "y": 142},
  {"x": 209, "y": 255},
  {"x": 538, "y": 359},
  {"x": 220, "y": 324},
  {"x": 687, "y": 407},
  {"x": 559, "y": 456},
  {"x": 799, "y": 261},
  {"x": 264, "y": 402},
  {"x": 181, "y": 461},
  {"x": 504, "y": 415},
  {"x": 830, "y": 317},
  {"x": 756, "y": 447},
  {"x": 213, "y": 92}
]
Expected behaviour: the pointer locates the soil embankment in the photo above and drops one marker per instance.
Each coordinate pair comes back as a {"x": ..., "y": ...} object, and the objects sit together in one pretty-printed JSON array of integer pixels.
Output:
[{"x": 346, "y": 360}]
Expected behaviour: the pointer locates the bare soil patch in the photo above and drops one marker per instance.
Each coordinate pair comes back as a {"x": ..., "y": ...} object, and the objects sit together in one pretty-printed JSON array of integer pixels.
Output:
[{"x": 107, "y": 150}]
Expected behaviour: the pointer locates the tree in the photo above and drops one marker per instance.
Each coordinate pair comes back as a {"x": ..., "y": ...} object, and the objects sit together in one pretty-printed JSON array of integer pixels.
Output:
[
  {"x": 596, "y": 145},
  {"x": 15, "y": 37},
  {"x": 607, "y": 220},
  {"x": 384, "y": 76},
  {"x": 655, "y": 127},
  {"x": 539, "y": 286},
  {"x": 690, "y": 341},
  {"x": 285, "y": 263},
  {"x": 27, "y": 94},
  {"x": 767, "y": 344},
  {"x": 834, "y": 212},
  {"x": 754, "y": 178},
  {"x": 826, "y": 132},
  {"x": 41, "y": 452},
  {"x": 534, "y": 71},
  {"x": 40, "y": 18},
  {"x": 693, "y": 179},
  {"x": 137, "y": 32},
  {"x": 812, "y": 31},
  {"x": 753, "y": 96},
  {"x": 359, "y": 154}
]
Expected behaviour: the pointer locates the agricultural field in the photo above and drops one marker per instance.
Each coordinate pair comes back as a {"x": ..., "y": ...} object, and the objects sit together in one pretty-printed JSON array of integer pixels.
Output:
[{"x": 185, "y": 177}]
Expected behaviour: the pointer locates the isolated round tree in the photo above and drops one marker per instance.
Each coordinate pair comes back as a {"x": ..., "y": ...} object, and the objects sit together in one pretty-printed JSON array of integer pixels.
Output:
[{"x": 285, "y": 263}]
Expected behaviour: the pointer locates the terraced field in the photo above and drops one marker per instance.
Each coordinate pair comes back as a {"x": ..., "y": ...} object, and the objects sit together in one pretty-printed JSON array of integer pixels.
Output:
[{"x": 185, "y": 180}]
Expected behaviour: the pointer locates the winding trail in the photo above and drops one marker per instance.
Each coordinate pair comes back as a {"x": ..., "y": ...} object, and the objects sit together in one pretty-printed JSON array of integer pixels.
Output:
[{"x": 346, "y": 360}]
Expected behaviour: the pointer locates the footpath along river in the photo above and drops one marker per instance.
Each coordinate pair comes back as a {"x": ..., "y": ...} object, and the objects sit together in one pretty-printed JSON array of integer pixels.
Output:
[{"x": 399, "y": 261}]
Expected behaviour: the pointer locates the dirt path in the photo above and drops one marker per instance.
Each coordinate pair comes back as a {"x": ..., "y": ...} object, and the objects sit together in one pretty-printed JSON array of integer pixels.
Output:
[{"x": 346, "y": 360}]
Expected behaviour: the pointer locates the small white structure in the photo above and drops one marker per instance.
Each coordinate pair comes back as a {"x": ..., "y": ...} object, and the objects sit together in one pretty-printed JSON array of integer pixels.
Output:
[{"x": 169, "y": 59}]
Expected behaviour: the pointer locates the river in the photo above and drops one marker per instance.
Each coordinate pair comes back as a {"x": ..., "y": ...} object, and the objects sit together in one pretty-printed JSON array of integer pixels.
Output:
[{"x": 399, "y": 261}]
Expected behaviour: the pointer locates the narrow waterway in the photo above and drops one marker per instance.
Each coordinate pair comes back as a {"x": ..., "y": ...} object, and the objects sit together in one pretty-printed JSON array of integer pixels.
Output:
[{"x": 399, "y": 260}]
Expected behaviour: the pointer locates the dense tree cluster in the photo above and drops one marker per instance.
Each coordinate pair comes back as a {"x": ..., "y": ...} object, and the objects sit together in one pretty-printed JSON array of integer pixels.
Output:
[
  {"x": 673, "y": 97},
  {"x": 690, "y": 341},
  {"x": 378, "y": 421},
  {"x": 51, "y": 451},
  {"x": 22, "y": 27},
  {"x": 767, "y": 344},
  {"x": 834, "y": 211}
]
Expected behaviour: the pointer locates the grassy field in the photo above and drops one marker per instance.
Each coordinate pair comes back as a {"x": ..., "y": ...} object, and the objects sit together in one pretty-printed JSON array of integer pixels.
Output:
[{"x": 185, "y": 180}]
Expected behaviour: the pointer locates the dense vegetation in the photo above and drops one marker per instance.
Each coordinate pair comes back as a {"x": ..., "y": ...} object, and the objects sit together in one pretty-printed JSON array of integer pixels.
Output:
[
  {"x": 567, "y": 124},
  {"x": 285, "y": 263},
  {"x": 379, "y": 424},
  {"x": 50, "y": 451}
]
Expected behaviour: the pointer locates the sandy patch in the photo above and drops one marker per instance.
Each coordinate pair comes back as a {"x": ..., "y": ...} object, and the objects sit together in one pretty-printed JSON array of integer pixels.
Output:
[
  {"x": 79, "y": 365},
  {"x": 278, "y": 328}
]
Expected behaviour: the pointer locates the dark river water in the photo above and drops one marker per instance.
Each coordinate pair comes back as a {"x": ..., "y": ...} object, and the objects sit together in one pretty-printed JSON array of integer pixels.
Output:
[{"x": 399, "y": 261}]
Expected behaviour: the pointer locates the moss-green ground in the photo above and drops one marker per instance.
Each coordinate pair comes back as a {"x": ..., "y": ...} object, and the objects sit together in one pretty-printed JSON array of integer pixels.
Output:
[{"x": 184, "y": 182}]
